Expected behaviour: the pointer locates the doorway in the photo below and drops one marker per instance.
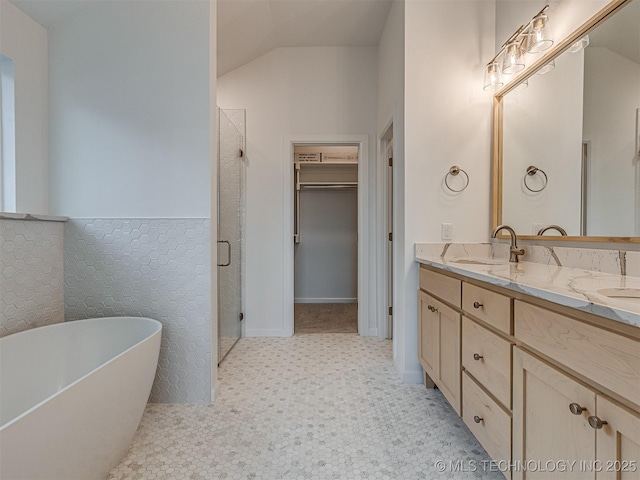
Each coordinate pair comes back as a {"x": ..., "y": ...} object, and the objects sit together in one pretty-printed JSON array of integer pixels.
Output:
[
  {"x": 326, "y": 238},
  {"x": 366, "y": 260},
  {"x": 386, "y": 149}
]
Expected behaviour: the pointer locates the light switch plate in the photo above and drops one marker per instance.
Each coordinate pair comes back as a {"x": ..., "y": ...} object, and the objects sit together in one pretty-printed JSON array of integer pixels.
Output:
[{"x": 447, "y": 231}]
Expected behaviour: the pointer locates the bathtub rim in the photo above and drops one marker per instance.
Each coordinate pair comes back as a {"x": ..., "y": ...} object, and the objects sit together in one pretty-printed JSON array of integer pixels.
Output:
[{"x": 157, "y": 331}]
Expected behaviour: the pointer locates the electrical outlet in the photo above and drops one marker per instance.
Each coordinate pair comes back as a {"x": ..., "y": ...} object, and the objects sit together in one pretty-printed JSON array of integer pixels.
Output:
[
  {"x": 535, "y": 228},
  {"x": 447, "y": 231}
]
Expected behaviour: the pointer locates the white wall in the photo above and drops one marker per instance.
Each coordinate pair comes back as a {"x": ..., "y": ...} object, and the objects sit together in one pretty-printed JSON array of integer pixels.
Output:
[
  {"x": 326, "y": 259},
  {"x": 129, "y": 111},
  {"x": 543, "y": 128},
  {"x": 391, "y": 68},
  {"x": 391, "y": 78},
  {"x": 25, "y": 41},
  {"x": 447, "y": 122},
  {"x": 612, "y": 95},
  {"x": 290, "y": 91}
]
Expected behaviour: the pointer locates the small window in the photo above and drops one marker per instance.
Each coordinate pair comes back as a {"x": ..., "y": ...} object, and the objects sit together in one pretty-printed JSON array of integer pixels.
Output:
[{"x": 7, "y": 136}]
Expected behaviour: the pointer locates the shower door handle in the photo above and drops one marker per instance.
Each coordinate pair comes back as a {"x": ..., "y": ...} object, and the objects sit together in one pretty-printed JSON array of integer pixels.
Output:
[{"x": 228, "y": 254}]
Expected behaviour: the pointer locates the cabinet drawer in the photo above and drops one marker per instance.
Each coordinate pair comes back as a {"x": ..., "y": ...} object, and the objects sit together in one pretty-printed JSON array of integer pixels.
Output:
[
  {"x": 447, "y": 288},
  {"x": 609, "y": 359},
  {"x": 493, "y": 365},
  {"x": 488, "y": 306},
  {"x": 493, "y": 430}
]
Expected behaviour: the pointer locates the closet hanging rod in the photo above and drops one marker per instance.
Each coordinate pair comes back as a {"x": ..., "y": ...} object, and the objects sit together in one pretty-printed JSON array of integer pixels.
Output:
[{"x": 327, "y": 186}]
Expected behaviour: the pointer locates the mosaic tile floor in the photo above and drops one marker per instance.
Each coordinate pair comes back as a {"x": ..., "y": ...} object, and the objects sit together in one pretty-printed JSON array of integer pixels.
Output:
[
  {"x": 319, "y": 406},
  {"x": 326, "y": 318}
]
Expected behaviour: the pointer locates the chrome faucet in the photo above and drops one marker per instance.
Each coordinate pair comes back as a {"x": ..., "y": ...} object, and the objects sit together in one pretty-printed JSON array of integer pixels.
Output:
[
  {"x": 560, "y": 230},
  {"x": 514, "y": 250}
]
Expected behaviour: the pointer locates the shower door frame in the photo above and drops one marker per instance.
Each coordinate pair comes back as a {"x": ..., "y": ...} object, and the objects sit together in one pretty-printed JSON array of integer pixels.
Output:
[{"x": 367, "y": 324}]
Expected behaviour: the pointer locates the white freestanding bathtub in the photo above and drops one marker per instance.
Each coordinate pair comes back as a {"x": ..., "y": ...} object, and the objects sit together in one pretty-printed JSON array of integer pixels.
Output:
[{"x": 72, "y": 396}]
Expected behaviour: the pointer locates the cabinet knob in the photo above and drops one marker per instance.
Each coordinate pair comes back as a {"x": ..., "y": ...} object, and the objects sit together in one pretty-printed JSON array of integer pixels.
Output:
[
  {"x": 477, "y": 419},
  {"x": 432, "y": 308},
  {"x": 596, "y": 423},
  {"x": 576, "y": 409},
  {"x": 477, "y": 305},
  {"x": 477, "y": 357}
]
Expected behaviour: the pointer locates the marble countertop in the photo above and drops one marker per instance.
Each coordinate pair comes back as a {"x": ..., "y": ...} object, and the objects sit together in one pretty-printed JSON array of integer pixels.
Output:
[
  {"x": 572, "y": 287},
  {"x": 28, "y": 216}
]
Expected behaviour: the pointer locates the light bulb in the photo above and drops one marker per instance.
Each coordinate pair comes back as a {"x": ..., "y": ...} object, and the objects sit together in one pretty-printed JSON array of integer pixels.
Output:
[
  {"x": 539, "y": 40},
  {"x": 513, "y": 61},
  {"x": 492, "y": 77}
]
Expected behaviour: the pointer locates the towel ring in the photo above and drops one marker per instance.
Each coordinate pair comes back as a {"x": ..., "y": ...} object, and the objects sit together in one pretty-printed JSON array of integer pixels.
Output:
[
  {"x": 531, "y": 171},
  {"x": 454, "y": 171}
]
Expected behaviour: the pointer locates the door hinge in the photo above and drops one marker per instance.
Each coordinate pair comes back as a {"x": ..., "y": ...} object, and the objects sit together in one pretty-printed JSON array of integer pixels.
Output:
[
  {"x": 390, "y": 311},
  {"x": 391, "y": 161},
  {"x": 241, "y": 316},
  {"x": 391, "y": 236}
]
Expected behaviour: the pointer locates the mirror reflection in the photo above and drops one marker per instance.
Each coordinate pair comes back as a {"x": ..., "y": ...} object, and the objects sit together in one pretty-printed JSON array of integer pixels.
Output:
[{"x": 571, "y": 138}]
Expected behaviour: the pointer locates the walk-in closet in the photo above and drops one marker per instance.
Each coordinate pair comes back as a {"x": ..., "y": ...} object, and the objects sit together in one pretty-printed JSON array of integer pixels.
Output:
[{"x": 326, "y": 239}]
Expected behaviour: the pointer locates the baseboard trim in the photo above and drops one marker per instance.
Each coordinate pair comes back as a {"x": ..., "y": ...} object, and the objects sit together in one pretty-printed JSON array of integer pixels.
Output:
[
  {"x": 370, "y": 332},
  {"x": 412, "y": 377},
  {"x": 215, "y": 391},
  {"x": 324, "y": 300},
  {"x": 266, "y": 332}
]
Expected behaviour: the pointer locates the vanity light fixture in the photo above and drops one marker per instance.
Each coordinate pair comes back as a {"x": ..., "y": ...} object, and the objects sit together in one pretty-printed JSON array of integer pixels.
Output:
[
  {"x": 547, "y": 68},
  {"x": 539, "y": 40},
  {"x": 522, "y": 86},
  {"x": 579, "y": 45},
  {"x": 530, "y": 38},
  {"x": 493, "y": 76},
  {"x": 513, "y": 61}
]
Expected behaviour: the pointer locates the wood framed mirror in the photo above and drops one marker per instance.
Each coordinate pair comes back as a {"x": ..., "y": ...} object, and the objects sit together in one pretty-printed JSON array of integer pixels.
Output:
[{"x": 566, "y": 144}]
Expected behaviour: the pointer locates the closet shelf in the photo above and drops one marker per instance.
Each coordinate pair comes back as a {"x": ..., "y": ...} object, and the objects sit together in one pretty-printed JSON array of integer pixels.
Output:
[{"x": 319, "y": 164}]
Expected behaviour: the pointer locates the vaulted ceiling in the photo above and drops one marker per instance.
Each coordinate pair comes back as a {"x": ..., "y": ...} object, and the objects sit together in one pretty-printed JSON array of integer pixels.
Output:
[
  {"x": 621, "y": 33},
  {"x": 248, "y": 29}
]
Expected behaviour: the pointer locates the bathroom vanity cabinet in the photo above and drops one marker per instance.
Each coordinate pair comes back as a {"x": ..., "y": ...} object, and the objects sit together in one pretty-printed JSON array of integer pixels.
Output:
[
  {"x": 439, "y": 333},
  {"x": 540, "y": 384}
]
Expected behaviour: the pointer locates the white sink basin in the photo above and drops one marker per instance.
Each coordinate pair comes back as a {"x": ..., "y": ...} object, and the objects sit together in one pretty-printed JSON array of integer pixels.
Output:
[{"x": 620, "y": 292}]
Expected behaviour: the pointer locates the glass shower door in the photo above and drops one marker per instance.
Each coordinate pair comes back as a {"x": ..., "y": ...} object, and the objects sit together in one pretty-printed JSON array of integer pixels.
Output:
[{"x": 230, "y": 207}]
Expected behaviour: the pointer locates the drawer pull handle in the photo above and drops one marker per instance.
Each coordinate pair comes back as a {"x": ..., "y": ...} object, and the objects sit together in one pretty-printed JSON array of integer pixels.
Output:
[
  {"x": 432, "y": 308},
  {"x": 477, "y": 305},
  {"x": 477, "y": 357},
  {"x": 477, "y": 419},
  {"x": 576, "y": 409},
  {"x": 596, "y": 423}
]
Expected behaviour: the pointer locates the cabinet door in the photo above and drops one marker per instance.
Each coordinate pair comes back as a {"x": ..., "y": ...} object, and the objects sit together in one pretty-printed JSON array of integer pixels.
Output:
[
  {"x": 546, "y": 433},
  {"x": 617, "y": 441},
  {"x": 449, "y": 376},
  {"x": 428, "y": 333}
]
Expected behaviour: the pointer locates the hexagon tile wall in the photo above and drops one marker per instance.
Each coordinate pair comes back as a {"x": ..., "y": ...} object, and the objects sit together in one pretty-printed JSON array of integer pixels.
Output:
[
  {"x": 157, "y": 268},
  {"x": 31, "y": 281}
]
